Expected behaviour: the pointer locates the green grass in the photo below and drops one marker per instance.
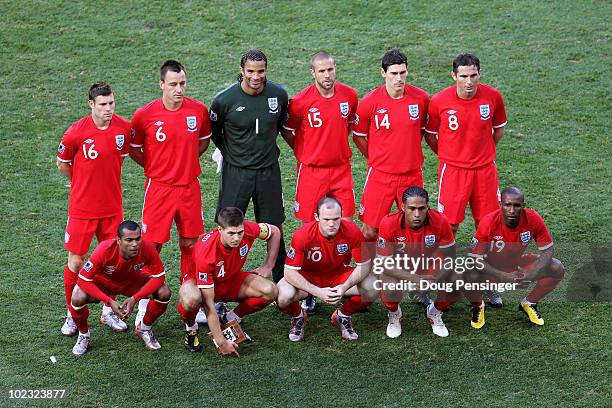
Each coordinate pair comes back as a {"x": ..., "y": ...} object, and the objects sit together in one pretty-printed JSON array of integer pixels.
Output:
[{"x": 552, "y": 63}]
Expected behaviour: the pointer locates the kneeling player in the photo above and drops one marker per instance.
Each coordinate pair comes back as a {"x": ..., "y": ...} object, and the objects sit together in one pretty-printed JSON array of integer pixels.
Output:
[
  {"x": 220, "y": 256},
  {"x": 126, "y": 266},
  {"x": 501, "y": 240},
  {"x": 317, "y": 264}
]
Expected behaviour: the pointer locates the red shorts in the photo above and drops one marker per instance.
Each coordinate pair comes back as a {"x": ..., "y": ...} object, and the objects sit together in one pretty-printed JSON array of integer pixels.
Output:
[
  {"x": 128, "y": 289},
  {"x": 315, "y": 182},
  {"x": 381, "y": 190},
  {"x": 227, "y": 290},
  {"x": 164, "y": 203},
  {"x": 328, "y": 279},
  {"x": 458, "y": 186},
  {"x": 79, "y": 232}
]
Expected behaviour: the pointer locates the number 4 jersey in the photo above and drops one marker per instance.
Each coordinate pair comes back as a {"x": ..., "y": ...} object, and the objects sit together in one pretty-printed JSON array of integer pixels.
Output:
[{"x": 95, "y": 156}]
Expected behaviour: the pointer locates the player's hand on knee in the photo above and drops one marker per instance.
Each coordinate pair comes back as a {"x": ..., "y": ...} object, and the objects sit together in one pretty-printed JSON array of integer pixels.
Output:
[{"x": 263, "y": 271}]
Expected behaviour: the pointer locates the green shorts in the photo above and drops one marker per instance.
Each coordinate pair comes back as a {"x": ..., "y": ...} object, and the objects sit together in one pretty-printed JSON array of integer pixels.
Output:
[{"x": 238, "y": 185}]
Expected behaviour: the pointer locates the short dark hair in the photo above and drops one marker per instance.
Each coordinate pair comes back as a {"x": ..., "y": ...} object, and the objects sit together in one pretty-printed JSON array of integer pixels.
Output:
[
  {"x": 170, "y": 65},
  {"x": 251, "y": 55},
  {"x": 415, "y": 191},
  {"x": 320, "y": 55},
  {"x": 465, "y": 60},
  {"x": 127, "y": 225},
  {"x": 230, "y": 217},
  {"x": 393, "y": 57},
  {"x": 328, "y": 201},
  {"x": 99, "y": 89},
  {"x": 512, "y": 191}
]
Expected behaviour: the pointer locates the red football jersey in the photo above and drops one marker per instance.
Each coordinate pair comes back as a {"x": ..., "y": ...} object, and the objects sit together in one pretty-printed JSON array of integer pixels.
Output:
[
  {"x": 395, "y": 236},
  {"x": 96, "y": 157},
  {"x": 311, "y": 252},
  {"x": 216, "y": 263},
  {"x": 321, "y": 125},
  {"x": 502, "y": 245},
  {"x": 107, "y": 267},
  {"x": 393, "y": 128},
  {"x": 465, "y": 126},
  {"x": 170, "y": 140}
]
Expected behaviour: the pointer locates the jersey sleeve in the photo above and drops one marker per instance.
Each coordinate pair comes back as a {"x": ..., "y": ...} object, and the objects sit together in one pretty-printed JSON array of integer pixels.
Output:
[
  {"x": 353, "y": 107},
  {"x": 295, "y": 255},
  {"x": 432, "y": 122},
  {"x": 284, "y": 97},
  {"x": 216, "y": 116},
  {"x": 359, "y": 252},
  {"x": 93, "y": 265},
  {"x": 363, "y": 118},
  {"x": 138, "y": 132},
  {"x": 385, "y": 243},
  {"x": 542, "y": 235},
  {"x": 499, "y": 115},
  {"x": 68, "y": 146},
  {"x": 294, "y": 115},
  {"x": 205, "y": 272},
  {"x": 478, "y": 245},
  {"x": 152, "y": 260},
  {"x": 128, "y": 136},
  {"x": 205, "y": 130},
  {"x": 447, "y": 239},
  {"x": 425, "y": 110}
]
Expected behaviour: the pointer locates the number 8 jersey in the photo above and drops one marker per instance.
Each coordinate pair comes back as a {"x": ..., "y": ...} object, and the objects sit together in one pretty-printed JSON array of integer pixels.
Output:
[{"x": 95, "y": 156}]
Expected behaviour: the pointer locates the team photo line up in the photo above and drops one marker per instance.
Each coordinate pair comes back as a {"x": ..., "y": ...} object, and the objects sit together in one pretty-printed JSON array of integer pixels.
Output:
[{"x": 461, "y": 124}]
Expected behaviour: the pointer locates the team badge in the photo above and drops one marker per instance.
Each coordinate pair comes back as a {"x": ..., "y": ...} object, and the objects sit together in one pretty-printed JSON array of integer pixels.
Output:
[
  {"x": 525, "y": 237},
  {"x": 139, "y": 266},
  {"x": 273, "y": 105},
  {"x": 119, "y": 140},
  {"x": 109, "y": 270},
  {"x": 344, "y": 109},
  {"x": 192, "y": 123},
  {"x": 485, "y": 111},
  {"x": 88, "y": 265},
  {"x": 342, "y": 248},
  {"x": 61, "y": 148},
  {"x": 213, "y": 116},
  {"x": 430, "y": 240},
  {"x": 203, "y": 276},
  {"x": 88, "y": 141},
  {"x": 244, "y": 249},
  {"x": 381, "y": 242},
  {"x": 413, "y": 110},
  {"x": 291, "y": 253},
  {"x": 473, "y": 243}
]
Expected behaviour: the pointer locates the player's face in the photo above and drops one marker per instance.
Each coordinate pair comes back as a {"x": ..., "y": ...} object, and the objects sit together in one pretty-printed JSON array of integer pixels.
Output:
[
  {"x": 173, "y": 87},
  {"x": 324, "y": 73},
  {"x": 129, "y": 243},
  {"x": 102, "y": 107},
  {"x": 415, "y": 211},
  {"x": 512, "y": 207},
  {"x": 231, "y": 236},
  {"x": 467, "y": 79},
  {"x": 254, "y": 76},
  {"x": 395, "y": 77},
  {"x": 329, "y": 220}
]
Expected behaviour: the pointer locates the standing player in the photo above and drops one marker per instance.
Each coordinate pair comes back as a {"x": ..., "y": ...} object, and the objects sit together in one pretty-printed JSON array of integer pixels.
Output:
[
  {"x": 317, "y": 264},
  {"x": 320, "y": 120},
  {"x": 468, "y": 119},
  {"x": 170, "y": 135},
  {"x": 90, "y": 155},
  {"x": 127, "y": 265},
  {"x": 502, "y": 238},
  {"x": 419, "y": 232},
  {"x": 246, "y": 119},
  {"x": 388, "y": 133},
  {"x": 220, "y": 256}
]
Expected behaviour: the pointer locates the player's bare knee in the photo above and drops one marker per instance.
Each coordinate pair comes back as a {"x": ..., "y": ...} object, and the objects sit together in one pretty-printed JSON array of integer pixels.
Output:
[
  {"x": 75, "y": 262},
  {"x": 185, "y": 242},
  {"x": 557, "y": 270},
  {"x": 163, "y": 294},
  {"x": 370, "y": 233},
  {"x": 270, "y": 291},
  {"x": 79, "y": 297}
]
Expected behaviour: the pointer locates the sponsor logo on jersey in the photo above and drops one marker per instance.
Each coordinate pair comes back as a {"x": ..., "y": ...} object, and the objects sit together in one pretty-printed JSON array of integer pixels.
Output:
[
  {"x": 451, "y": 112},
  {"x": 66, "y": 237},
  {"x": 381, "y": 242},
  {"x": 61, "y": 148},
  {"x": 413, "y": 110},
  {"x": 401, "y": 239},
  {"x": 525, "y": 237},
  {"x": 243, "y": 250},
  {"x": 342, "y": 248},
  {"x": 430, "y": 240},
  {"x": 382, "y": 110},
  {"x": 296, "y": 206},
  {"x": 88, "y": 141},
  {"x": 273, "y": 105},
  {"x": 213, "y": 116},
  {"x": 344, "y": 109},
  {"x": 485, "y": 112},
  {"x": 220, "y": 263},
  {"x": 109, "y": 269},
  {"x": 119, "y": 140},
  {"x": 158, "y": 123},
  {"x": 473, "y": 243},
  {"x": 498, "y": 238},
  {"x": 139, "y": 266},
  {"x": 313, "y": 110},
  {"x": 88, "y": 265},
  {"x": 203, "y": 276},
  {"x": 192, "y": 123},
  {"x": 240, "y": 108},
  {"x": 291, "y": 253}
]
